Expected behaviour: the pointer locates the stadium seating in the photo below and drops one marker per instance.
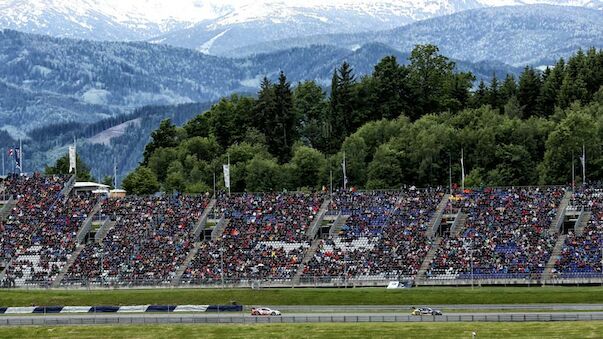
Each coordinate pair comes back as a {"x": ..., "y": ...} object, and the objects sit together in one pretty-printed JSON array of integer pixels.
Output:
[
  {"x": 581, "y": 253},
  {"x": 505, "y": 236},
  {"x": 265, "y": 238},
  {"x": 383, "y": 238},
  {"x": 379, "y": 236},
  {"x": 150, "y": 240}
]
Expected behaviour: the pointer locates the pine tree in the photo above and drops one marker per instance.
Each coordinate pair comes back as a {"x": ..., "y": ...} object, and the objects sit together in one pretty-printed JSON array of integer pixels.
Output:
[
  {"x": 494, "y": 93},
  {"x": 284, "y": 131},
  {"x": 528, "y": 92}
]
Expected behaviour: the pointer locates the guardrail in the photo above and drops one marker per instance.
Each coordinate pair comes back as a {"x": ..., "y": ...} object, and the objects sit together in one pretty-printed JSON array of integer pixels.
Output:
[{"x": 335, "y": 318}]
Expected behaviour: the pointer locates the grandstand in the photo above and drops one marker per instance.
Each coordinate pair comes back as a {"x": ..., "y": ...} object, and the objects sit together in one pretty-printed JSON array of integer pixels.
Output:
[{"x": 52, "y": 236}]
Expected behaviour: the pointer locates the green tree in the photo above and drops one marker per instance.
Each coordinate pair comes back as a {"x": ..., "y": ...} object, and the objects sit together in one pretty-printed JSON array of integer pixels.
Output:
[
  {"x": 163, "y": 137},
  {"x": 385, "y": 171},
  {"x": 528, "y": 92},
  {"x": 427, "y": 73},
  {"x": 141, "y": 182},
  {"x": 307, "y": 164},
  {"x": 263, "y": 175}
]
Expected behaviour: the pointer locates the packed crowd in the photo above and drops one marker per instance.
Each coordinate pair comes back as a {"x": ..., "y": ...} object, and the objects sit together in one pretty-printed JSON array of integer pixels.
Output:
[
  {"x": 581, "y": 253},
  {"x": 505, "y": 234},
  {"x": 52, "y": 242},
  {"x": 265, "y": 238},
  {"x": 34, "y": 196},
  {"x": 150, "y": 239},
  {"x": 384, "y": 236}
]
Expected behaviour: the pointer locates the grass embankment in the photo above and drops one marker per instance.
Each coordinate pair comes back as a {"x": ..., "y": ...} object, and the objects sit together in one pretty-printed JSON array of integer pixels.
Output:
[
  {"x": 358, "y": 296},
  {"x": 365, "y": 330}
]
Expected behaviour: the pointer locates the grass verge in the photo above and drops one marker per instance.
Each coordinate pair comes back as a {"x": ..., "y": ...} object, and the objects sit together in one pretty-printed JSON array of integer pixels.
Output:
[
  {"x": 348, "y": 331},
  {"x": 358, "y": 296}
]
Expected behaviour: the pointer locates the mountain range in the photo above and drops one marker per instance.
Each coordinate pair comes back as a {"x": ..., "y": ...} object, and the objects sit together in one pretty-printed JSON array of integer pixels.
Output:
[
  {"x": 217, "y": 26},
  {"x": 50, "y": 80}
]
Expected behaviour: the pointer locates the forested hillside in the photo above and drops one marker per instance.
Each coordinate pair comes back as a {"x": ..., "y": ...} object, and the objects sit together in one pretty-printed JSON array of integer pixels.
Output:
[
  {"x": 46, "y": 80},
  {"x": 404, "y": 124}
]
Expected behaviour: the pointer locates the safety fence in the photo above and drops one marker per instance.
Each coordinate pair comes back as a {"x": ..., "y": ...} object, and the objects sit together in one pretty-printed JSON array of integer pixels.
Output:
[{"x": 246, "y": 319}]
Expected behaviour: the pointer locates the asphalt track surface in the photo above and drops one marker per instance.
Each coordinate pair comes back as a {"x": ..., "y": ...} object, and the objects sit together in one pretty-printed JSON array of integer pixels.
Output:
[{"x": 239, "y": 318}]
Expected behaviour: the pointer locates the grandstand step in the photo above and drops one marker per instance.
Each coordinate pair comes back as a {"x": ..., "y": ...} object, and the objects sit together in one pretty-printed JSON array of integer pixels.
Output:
[
  {"x": 185, "y": 263},
  {"x": 436, "y": 219},
  {"x": 582, "y": 222},
  {"x": 65, "y": 269},
  {"x": 87, "y": 225},
  {"x": 560, "y": 216},
  {"x": 315, "y": 227},
  {"x": 200, "y": 226},
  {"x": 103, "y": 230},
  {"x": 307, "y": 257},
  {"x": 68, "y": 187},
  {"x": 427, "y": 260},
  {"x": 219, "y": 229},
  {"x": 548, "y": 269},
  {"x": 459, "y": 223},
  {"x": 338, "y": 224}
]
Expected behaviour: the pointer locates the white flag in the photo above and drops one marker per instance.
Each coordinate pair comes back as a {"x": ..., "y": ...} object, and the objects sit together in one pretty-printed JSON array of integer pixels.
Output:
[
  {"x": 226, "y": 175},
  {"x": 345, "y": 176},
  {"x": 71, "y": 159}
]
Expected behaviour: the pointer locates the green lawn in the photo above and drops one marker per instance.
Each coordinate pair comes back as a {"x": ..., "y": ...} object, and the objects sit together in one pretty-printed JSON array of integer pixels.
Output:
[
  {"x": 358, "y": 296},
  {"x": 348, "y": 331}
]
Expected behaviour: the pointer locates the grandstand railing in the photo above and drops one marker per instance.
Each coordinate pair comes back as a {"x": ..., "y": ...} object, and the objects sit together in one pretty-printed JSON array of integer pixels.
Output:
[{"x": 328, "y": 281}]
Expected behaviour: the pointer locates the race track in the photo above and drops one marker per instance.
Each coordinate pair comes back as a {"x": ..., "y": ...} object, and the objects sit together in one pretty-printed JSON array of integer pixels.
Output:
[{"x": 353, "y": 317}]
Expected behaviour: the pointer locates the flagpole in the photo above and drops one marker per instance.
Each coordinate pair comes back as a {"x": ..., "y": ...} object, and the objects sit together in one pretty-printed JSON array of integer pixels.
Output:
[
  {"x": 345, "y": 179},
  {"x": 20, "y": 156},
  {"x": 583, "y": 165},
  {"x": 450, "y": 172},
  {"x": 228, "y": 154},
  {"x": 462, "y": 169},
  {"x": 3, "y": 172},
  {"x": 75, "y": 149},
  {"x": 114, "y": 173},
  {"x": 573, "y": 174}
]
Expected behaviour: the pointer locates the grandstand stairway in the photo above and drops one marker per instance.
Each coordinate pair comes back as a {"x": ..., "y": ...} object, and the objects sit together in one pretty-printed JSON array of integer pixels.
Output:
[
  {"x": 338, "y": 224},
  {"x": 87, "y": 225},
  {"x": 65, "y": 269},
  {"x": 7, "y": 208},
  {"x": 315, "y": 227},
  {"x": 307, "y": 257},
  {"x": 219, "y": 229},
  {"x": 185, "y": 263},
  {"x": 200, "y": 226},
  {"x": 103, "y": 230},
  {"x": 459, "y": 223},
  {"x": 427, "y": 260},
  {"x": 550, "y": 265},
  {"x": 436, "y": 219},
  {"x": 582, "y": 221},
  {"x": 68, "y": 187},
  {"x": 560, "y": 217}
]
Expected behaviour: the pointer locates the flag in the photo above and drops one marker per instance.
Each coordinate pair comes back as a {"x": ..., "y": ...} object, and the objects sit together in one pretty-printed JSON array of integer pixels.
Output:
[
  {"x": 11, "y": 152},
  {"x": 72, "y": 159},
  {"x": 226, "y": 175},
  {"x": 17, "y": 154}
]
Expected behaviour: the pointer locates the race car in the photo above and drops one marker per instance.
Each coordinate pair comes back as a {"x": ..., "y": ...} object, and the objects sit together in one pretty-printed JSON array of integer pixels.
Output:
[
  {"x": 264, "y": 311},
  {"x": 425, "y": 311}
]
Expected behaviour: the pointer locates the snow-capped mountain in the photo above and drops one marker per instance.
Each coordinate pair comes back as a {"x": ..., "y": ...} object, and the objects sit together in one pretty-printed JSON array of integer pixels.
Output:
[{"x": 199, "y": 24}]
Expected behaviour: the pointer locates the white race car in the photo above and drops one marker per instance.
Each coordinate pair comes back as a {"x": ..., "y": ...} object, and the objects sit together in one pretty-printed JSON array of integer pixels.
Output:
[{"x": 264, "y": 311}]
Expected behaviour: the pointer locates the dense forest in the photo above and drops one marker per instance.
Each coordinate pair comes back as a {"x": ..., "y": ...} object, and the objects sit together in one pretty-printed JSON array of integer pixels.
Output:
[{"x": 406, "y": 123}]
